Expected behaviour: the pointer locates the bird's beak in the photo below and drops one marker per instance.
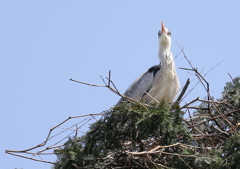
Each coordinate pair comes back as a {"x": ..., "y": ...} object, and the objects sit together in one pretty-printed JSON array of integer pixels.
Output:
[{"x": 163, "y": 28}]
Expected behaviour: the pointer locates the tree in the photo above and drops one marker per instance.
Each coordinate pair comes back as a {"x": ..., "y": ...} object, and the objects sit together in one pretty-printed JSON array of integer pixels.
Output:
[{"x": 134, "y": 135}]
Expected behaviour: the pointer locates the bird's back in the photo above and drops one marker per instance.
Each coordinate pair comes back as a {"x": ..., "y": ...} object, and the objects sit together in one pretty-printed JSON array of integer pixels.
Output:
[{"x": 138, "y": 89}]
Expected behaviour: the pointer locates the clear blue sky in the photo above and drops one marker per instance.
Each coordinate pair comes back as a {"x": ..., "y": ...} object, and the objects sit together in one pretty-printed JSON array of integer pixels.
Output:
[{"x": 45, "y": 43}]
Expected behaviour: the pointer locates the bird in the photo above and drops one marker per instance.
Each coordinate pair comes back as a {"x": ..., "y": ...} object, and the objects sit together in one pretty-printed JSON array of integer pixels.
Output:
[{"x": 159, "y": 82}]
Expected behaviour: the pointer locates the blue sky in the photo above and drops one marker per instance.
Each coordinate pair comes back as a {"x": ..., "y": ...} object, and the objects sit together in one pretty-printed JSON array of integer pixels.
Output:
[{"x": 45, "y": 43}]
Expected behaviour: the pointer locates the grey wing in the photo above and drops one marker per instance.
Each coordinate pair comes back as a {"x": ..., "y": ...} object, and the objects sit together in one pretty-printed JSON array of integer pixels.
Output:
[{"x": 141, "y": 85}]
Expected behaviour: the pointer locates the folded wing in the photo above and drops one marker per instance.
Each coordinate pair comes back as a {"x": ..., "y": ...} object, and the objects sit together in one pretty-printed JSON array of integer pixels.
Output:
[{"x": 137, "y": 90}]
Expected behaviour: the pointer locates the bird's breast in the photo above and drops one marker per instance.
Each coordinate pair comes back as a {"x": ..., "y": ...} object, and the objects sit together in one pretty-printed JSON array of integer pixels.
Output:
[{"x": 166, "y": 85}]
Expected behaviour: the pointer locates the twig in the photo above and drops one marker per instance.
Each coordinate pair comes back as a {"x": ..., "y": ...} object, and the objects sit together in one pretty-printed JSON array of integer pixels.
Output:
[
  {"x": 184, "y": 54},
  {"x": 76, "y": 131},
  {"x": 109, "y": 76},
  {"x": 137, "y": 163},
  {"x": 183, "y": 91},
  {"x": 162, "y": 165},
  {"x": 87, "y": 83},
  {"x": 178, "y": 54},
  {"x": 231, "y": 78},
  {"x": 151, "y": 97},
  {"x": 111, "y": 89},
  {"x": 151, "y": 161},
  {"x": 28, "y": 157},
  {"x": 220, "y": 116},
  {"x": 200, "y": 77},
  {"x": 192, "y": 107},
  {"x": 175, "y": 154},
  {"x": 221, "y": 130},
  {"x": 72, "y": 129},
  {"x": 190, "y": 103},
  {"x": 214, "y": 67},
  {"x": 12, "y": 152},
  {"x": 191, "y": 126},
  {"x": 184, "y": 162}
]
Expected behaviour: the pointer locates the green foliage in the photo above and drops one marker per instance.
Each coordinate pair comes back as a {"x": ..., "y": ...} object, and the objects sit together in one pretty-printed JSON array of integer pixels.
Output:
[
  {"x": 134, "y": 128},
  {"x": 231, "y": 93},
  {"x": 134, "y": 123},
  {"x": 226, "y": 158},
  {"x": 231, "y": 152},
  {"x": 71, "y": 154},
  {"x": 227, "y": 154},
  {"x": 125, "y": 124},
  {"x": 231, "y": 96}
]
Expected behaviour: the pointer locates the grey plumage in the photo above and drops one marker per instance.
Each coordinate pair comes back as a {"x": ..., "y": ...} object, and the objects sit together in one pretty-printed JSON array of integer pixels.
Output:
[{"x": 137, "y": 90}]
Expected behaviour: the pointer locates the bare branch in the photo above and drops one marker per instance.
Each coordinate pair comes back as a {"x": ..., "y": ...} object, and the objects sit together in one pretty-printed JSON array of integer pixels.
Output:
[
  {"x": 28, "y": 157},
  {"x": 87, "y": 83},
  {"x": 231, "y": 78},
  {"x": 183, "y": 91}
]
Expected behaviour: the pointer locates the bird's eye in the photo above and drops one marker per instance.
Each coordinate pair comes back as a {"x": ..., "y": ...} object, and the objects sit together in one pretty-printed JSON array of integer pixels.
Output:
[
  {"x": 159, "y": 33},
  {"x": 169, "y": 33}
]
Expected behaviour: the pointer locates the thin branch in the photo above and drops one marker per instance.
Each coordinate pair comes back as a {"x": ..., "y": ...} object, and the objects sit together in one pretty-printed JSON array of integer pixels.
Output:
[
  {"x": 104, "y": 82},
  {"x": 49, "y": 134},
  {"x": 220, "y": 130},
  {"x": 192, "y": 107},
  {"x": 153, "y": 152},
  {"x": 113, "y": 90},
  {"x": 28, "y": 157},
  {"x": 87, "y": 83},
  {"x": 151, "y": 97},
  {"x": 231, "y": 78},
  {"x": 200, "y": 77},
  {"x": 109, "y": 77},
  {"x": 227, "y": 114},
  {"x": 191, "y": 126},
  {"x": 184, "y": 162},
  {"x": 183, "y": 91},
  {"x": 76, "y": 131},
  {"x": 190, "y": 102},
  {"x": 184, "y": 54},
  {"x": 151, "y": 160},
  {"x": 214, "y": 67}
]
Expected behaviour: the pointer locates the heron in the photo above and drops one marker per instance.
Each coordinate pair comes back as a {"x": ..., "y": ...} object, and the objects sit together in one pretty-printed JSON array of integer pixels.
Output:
[{"x": 159, "y": 82}]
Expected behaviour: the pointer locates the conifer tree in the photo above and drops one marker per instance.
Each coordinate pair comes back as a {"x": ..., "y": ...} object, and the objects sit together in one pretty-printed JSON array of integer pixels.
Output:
[{"x": 157, "y": 136}]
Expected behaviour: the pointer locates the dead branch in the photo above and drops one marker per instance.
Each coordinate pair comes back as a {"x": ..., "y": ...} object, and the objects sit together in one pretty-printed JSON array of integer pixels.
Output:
[
  {"x": 183, "y": 91},
  {"x": 201, "y": 79},
  {"x": 114, "y": 90},
  {"x": 190, "y": 103},
  {"x": 154, "y": 152},
  {"x": 231, "y": 78},
  {"x": 184, "y": 162},
  {"x": 8, "y": 152},
  {"x": 220, "y": 116},
  {"x": 13, "y": 152}
]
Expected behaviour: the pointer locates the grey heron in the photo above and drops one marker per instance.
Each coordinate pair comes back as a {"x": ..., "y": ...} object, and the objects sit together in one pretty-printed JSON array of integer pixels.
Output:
[{"x": 160, "y": 82}]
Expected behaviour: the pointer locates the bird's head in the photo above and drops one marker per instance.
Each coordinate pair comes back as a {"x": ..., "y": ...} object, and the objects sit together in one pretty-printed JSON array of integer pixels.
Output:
[{"x": 164, "y": 36}]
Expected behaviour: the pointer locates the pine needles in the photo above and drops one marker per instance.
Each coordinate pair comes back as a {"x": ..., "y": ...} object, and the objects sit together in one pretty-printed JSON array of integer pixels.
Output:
[{"x": 131, "y": 136}]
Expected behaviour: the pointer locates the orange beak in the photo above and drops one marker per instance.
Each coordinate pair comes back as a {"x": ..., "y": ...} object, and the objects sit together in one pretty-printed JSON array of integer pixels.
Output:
[{"x": 163, "y": 28}]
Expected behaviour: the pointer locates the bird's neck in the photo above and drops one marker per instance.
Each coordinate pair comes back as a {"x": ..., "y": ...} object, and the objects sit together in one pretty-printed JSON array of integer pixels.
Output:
[{"x": 165, "y": 55}]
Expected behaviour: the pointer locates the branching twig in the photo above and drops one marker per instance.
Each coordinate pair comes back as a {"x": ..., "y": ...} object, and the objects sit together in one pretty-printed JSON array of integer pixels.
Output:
[
  {"x": 112, "y": 89},
  {"x": 13, "y": 152},
  {"x": 217, "y": 117}
]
